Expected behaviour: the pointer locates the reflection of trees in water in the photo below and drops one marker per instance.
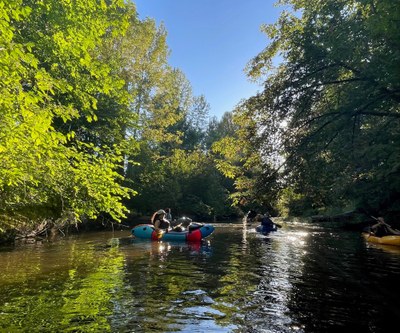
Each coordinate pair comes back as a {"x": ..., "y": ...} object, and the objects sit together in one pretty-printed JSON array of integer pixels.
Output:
[
  {"x": 160, "y": 279},
  {"x": 290, "y": 280},
  {"x": 178, "y": 287},
  {"x": 230, "y": 276},
  {"x": 143, "y": 286},
  {"x": 72, "y": 291}
]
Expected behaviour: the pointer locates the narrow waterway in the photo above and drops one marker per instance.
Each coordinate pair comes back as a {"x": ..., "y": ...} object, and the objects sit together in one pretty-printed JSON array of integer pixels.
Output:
[{"x": 303, "y": 278}]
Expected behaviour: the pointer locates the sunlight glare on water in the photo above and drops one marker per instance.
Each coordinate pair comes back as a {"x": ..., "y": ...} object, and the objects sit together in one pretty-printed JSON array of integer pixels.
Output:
[{"x": 281, "y": 255}]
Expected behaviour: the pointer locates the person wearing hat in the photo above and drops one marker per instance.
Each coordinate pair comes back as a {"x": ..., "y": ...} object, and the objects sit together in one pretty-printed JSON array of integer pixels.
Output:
[{"x": 159, "y": 221}]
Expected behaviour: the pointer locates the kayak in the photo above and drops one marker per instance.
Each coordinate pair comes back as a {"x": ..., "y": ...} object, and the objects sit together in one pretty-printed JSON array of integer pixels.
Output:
[
  {"x": 266, "y": 231},
  {"x": 388, "y": 240},
  {"x": 192, "y": 234}
]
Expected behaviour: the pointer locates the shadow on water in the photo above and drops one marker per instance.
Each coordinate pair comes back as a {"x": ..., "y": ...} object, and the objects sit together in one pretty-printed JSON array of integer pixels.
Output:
[{"x": 302, "y": 278}]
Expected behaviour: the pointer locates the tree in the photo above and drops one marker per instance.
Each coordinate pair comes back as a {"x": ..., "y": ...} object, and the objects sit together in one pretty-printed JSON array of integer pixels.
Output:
[
  {"x": 331, "y": 108},
  {"x": 237, "y": 154},
  {"x": 52, "y": 75}
]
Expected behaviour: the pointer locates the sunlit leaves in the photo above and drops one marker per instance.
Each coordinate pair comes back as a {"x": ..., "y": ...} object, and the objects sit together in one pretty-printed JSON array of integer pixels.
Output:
[
  {"x": 230, "y": 149},
  {"x": 51, "y": 76}
]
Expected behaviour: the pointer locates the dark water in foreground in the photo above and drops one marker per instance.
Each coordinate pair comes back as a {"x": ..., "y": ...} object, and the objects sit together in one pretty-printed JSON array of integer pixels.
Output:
[{"x": 303, "y": 278}]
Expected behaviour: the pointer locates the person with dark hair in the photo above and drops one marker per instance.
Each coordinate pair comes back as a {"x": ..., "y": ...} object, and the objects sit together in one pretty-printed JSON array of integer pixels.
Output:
[
  {"x": 267, "y": 224},
  {"x": 159, "y": 221}
]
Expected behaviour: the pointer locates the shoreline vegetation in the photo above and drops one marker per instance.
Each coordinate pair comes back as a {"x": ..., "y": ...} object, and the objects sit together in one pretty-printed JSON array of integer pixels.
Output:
[
  {"x": 48, "y": 230},
  {"x": 21, "y": 229}
]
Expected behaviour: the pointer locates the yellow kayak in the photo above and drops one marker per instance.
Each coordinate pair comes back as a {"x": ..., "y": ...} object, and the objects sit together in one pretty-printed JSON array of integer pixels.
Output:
[{"x": 388, "y": 240}]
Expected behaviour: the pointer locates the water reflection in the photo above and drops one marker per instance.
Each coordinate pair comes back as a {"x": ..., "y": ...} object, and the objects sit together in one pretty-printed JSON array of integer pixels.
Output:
[
  {"x": 174, "y": 278},
  {"x": 46, "y": 288},
  {"x": 303, "y": 278},
  {"x": 281, "y": 262},
  {"x": 162, "y": 248}
]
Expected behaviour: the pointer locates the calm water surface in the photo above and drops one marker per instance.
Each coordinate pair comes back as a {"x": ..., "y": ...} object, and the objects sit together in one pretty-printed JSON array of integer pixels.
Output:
[{"x": 303, "y": 278}]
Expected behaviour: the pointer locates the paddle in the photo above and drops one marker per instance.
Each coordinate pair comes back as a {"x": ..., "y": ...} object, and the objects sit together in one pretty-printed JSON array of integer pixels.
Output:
[
  {"x": 390, "y": 230},
  {"x": 370, "y": 233}
]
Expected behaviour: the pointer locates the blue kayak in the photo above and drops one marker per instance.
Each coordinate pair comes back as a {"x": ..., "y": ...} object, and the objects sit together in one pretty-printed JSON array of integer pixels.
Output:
[
  {"x": 192, "y": 234},
  {"x": 265, "y": 230}
]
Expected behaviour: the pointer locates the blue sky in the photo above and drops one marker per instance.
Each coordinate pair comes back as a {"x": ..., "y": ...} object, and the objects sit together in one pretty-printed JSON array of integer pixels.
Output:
[{"x": 211, "y": 41}]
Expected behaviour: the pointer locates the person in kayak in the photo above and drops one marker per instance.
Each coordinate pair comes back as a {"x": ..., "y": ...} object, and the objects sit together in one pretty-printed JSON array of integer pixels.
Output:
[
  {"x": 168, "y": 215},
  {"x": 381, "y": 228},
  {"x": 267, "y": 224},
  {"x": 159, "y": 221}
]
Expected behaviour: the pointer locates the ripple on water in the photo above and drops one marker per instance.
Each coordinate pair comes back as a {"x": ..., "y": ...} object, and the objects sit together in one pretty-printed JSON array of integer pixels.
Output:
[{"x": 302, "y": 278}]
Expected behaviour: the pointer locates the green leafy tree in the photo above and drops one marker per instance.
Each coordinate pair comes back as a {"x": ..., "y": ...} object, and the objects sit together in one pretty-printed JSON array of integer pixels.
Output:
[
  {"x": 157, "y": 139},
  {"x": 174, "y": 169},
  {"x": 331, "y": 108},
  {"x": 52, "y": 75},
  {"x": 237, "y": 154}
]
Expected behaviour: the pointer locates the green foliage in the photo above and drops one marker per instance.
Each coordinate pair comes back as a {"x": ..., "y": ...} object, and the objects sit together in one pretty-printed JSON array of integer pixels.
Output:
[
  {"x": 91, "y": 110},
  {"x": 186, "y": 181},
  {"x": 173, "y": 167},
  {"x": 331, "y": 108},
  {"x": 52, "y": 77},
  {"x": 229, "y": 148},
  {"x": 238, "y": 156}
]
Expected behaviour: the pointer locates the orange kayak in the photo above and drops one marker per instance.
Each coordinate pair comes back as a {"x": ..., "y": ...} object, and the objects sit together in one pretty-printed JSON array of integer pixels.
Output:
[{"x": 388, "y": 240}]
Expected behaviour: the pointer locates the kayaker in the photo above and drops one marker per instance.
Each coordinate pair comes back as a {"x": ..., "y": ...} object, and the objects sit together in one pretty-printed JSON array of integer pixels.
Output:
[
  {"x": 159, "y": 221},
  {"x": 381, "y": 228},
  {"x": 168, "y": 214},
  {"x": 183, "y": 223},
  {"x": 267, "y": 223}
]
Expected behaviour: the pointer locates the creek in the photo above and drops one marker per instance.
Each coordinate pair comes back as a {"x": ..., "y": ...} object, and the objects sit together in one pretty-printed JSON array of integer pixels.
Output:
[{"x": 303, "y": 278}]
